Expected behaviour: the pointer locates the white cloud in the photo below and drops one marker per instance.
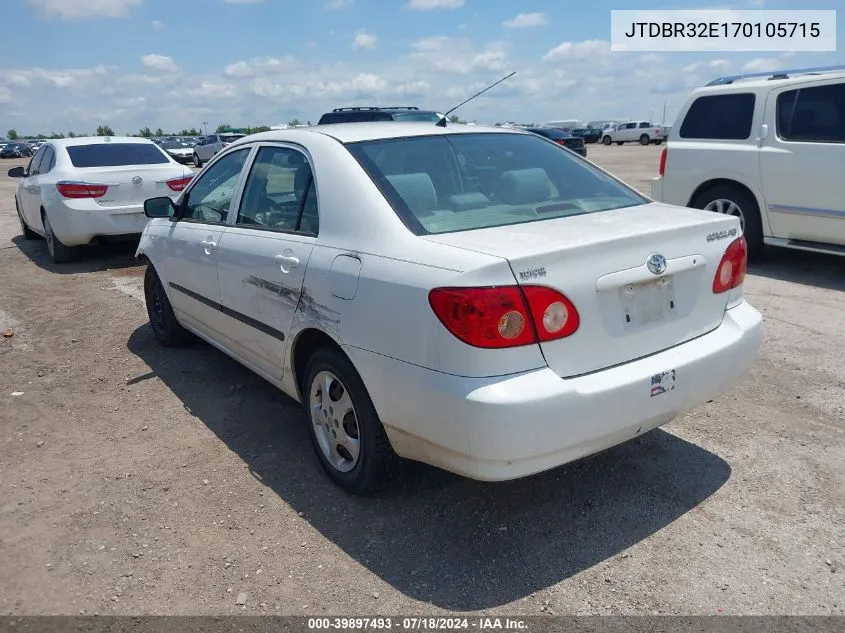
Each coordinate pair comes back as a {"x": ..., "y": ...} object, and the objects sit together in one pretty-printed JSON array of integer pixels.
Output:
[
  {"x": 160, "y": 63},
  {"x": 456, "y": 55},
  {"x": 587, "y": 49},
  {"x": 526, "y": 20},
  {"x": 364, "y": 41},
  {"x": 213, "y": 90},
  {"x": 429, "y": 5},
  {"x": 762, "y": 65},
  {"x": 158, "y": 25},
  {"x": 83, "y": 9},
  {"x": 337, "y": 5},
  {"x": 260, "y": 65},
  {"x": 5, "y": 95}
]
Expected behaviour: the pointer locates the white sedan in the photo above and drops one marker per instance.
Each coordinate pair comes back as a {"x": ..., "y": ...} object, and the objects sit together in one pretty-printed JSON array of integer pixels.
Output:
[
  {"x": 78, "y": 190},
  {"x": 469, "y": 297}
]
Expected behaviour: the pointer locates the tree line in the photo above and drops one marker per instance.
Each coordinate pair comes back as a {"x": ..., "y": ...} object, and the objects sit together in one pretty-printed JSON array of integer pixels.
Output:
[{"x": 147, "y": 132}]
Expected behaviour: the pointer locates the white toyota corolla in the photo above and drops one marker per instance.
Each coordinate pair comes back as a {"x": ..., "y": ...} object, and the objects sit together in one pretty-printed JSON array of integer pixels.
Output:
[
  {"x": 473, "y": 298},
  {"x": 77, "y": 190}
]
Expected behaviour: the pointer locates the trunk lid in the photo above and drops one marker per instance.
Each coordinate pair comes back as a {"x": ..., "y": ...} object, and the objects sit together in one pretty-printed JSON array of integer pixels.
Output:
[
  {"x": 599, "y": 261},
  {"x": 130, "y": 185}
]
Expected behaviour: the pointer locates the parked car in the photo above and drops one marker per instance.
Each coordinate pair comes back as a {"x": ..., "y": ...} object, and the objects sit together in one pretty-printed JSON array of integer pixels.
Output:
[
  {"x": 375, "y": 113},
  {"x": 574, "y": 143},
  {"x": 769, "y": 149},
  {"x": 16, "y": 150},
  {"x": 590, "y": 135},
  {"x": 76, "y": 191},
  {"x": 641, "y": 132},
  {"x": 208, "y": 147},
  {"x": 555, "y": 312},
  {"x": 179, "y": 151}
]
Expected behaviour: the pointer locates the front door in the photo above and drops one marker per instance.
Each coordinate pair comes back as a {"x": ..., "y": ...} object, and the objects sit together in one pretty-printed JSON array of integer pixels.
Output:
[
  {"x": 263, "y": 257},
  {"x": 190, "y": 255},
  {"x": 30, "y": 191},
  {"x": 802, "y": 162}
]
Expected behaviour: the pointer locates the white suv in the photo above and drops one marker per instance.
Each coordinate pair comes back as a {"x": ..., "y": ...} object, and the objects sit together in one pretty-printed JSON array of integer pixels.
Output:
[
  {"x": 642, "y": 132},
  {"x": 769, "y": 149}
]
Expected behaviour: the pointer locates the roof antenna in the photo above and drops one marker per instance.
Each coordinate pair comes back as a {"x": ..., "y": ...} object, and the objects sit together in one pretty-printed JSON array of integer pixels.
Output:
[{"x": 442, "y": 122}]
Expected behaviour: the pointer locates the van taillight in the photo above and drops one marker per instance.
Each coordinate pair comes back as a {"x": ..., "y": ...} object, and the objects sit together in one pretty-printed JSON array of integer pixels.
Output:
[{"x": 662, "y": 169}]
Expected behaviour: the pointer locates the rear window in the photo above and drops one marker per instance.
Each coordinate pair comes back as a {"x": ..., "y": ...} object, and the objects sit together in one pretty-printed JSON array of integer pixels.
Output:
[
  {"x": 230, "y": 138},
  {"x": 459, "y": 182},
  {"x": 116, "y": 155},
  {"x": 353, "y": 117},
  {"x": 432, "y": 117},
  {"x": 720, "y": 117}
]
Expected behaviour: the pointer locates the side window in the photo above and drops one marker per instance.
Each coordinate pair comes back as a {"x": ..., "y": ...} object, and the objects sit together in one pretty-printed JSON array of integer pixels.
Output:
[
  {"x": 645, "y": 124},
  {"x": 34, "y": 167},
  {"x": 210, "y": 197},
  {"x": 279, "y": 192},
  {"x": 815, "y": 114},
  {"x": 630, "y": 126},
  {"x": 49, "y": 160},
  {"x": 720, "y": 117}
]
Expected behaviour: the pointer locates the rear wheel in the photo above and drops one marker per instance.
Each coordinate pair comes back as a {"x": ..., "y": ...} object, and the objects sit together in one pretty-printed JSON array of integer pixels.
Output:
[
  {"x": 345, "y": 430},
  {"x": 619, "y": 142},
  {"x": 644, "y": 139},
  {"x": 28, "y": 233},
  {"x": 162, "y": 319},
  {"x": 733, "y": 200},
  {"x": 606, "y": 140},
  {"x": 60, "y": 253},
  {"x": 658, "y": 141},
  {"x": 197, "y": 161}
]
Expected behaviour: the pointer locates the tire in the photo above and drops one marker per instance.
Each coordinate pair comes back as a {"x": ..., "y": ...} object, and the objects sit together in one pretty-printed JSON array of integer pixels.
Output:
[
  {"x": 374, "y": 465},
  {"x": 606, "y": 141},
  {"x": 645, "y": 139},
  {"x": 197, "y": 161},
  {"x": 28, "y": 233},
  {"x": 658, "y": 142},
  {"x": 60, "y": 253},
  {"x": 620, "y": 142},
  {"x": 166, "y": 328},
  {"x": 749, "y": 212}
]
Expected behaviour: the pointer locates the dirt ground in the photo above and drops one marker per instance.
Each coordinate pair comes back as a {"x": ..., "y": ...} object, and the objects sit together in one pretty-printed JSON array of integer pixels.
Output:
[{"x": 139, "y": 480}]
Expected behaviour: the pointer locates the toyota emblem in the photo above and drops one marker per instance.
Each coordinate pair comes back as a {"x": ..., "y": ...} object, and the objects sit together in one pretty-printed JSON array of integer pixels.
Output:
[
  {"x": 137, "y": 181},
  {"x": 656, "y": 263}
]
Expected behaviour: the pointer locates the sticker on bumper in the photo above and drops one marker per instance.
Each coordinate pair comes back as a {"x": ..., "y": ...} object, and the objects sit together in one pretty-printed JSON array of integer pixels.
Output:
[{"x": 663, "y": 382}]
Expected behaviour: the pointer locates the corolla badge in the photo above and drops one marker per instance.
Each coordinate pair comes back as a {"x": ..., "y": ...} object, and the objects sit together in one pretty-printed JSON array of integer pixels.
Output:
[
  {"x": 656, "y": 263},
  {"x": 137, "y": 181}
]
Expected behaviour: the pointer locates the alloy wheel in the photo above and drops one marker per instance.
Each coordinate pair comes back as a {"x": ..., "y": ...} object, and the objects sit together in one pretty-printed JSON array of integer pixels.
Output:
[{"x": 335, "y": 421}]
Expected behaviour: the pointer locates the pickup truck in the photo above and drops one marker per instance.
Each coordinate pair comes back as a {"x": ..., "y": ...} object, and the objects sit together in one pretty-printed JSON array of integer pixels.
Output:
[{"x": 642, "y": 132}]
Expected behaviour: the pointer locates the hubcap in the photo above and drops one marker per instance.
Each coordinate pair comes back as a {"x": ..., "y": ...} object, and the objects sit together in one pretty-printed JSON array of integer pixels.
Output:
[
  {"x": 728, "y": 207},
  {"x": 335, "y": 421}
]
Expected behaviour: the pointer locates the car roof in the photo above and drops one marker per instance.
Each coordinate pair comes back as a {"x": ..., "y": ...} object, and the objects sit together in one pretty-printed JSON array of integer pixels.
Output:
[
  {"x": 376, "y": 130},
  {"x": 745, "y": 85},
  {"x": 94, "y": 140}
]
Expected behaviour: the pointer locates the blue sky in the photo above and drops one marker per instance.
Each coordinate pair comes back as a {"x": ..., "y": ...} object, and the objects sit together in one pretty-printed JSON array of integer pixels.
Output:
[{"x": 73, "y": 64}]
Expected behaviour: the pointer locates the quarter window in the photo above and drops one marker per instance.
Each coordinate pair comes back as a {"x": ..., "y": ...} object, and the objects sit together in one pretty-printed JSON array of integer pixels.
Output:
[
  {"x": 720, "y": 117},
  {"x": 815, "y": 115},
  {"x": 280, "y": 193},
  {"x": 210, "y": 197}
]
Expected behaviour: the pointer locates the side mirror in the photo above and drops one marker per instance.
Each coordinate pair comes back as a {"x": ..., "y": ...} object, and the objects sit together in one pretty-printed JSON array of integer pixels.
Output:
[
  {"x": 159, "y": 208},
  {"x": 17, "y": 172}
]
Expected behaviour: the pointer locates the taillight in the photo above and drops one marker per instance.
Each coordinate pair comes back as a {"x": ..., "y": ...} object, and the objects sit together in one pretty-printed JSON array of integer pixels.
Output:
[
  {"x": 81, "y": 189},
  {"x": 663, "y": 154},
  {"x": 178, "y": 184},
  {"x": 732, "y": 268},
  {"x": 504, "y": 316}
]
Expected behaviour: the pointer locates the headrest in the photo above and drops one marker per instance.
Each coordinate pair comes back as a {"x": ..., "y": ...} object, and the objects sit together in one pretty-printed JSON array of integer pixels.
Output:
[
  {"x": 524, "y": 186},
  {"x": 416, "y": 190}
]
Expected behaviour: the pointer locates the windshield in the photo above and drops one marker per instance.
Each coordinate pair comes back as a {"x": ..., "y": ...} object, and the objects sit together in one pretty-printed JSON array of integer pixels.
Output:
[
  {"x": 459, "y": 182},
  {"x": 418, "y": 116},
  {"x": 173, "y": 145},
  {"x": 116, "y": 155}
]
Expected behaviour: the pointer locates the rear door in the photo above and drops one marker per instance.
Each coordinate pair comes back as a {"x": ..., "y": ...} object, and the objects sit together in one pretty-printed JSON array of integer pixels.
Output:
[
  {"x": 190, "y": 251},
  {"x": 802, "y": 162},
  {"x": 30, "y": 196},
  {"x": 263, "y": 257}
]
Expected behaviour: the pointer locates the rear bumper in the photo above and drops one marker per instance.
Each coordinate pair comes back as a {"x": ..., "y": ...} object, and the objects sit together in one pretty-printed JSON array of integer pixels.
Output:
[
  {"x": 75, "y": 227},
  {"x": 511, "y": 426}
]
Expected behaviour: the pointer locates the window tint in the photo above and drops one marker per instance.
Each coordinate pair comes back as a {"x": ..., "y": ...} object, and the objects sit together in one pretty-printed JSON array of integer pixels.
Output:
[
  {"x": 35, "y": 164},
  {"x": 353, "y": 117},
  {"x": 815, "y": 114},
  {"x": 210, "y": 197},
  {"x": 720, "y": 117},
  {"x": 645, "y": 124},
  {"x": 116, "y": 155},
  {"x": 279, "y": 192},
  {"x": 49, "y": 160},
  {"x": 418, "y": 116},
  {"x": 445, "y": 183},
  {"x": 230, "y": 138}
]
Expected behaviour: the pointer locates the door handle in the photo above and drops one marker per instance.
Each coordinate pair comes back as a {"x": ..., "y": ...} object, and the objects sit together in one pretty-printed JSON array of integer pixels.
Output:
[
  {"x": 209, "y": 245},
  {"x": 287, "y": 262}
]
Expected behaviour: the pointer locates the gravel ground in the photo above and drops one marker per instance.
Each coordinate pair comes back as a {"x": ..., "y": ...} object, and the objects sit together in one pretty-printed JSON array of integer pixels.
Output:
[{"x": 138, "y": 480}]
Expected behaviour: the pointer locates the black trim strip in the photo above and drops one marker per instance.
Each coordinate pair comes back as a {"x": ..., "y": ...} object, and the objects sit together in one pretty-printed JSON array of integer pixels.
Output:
[{"x": 254, "y": 323}]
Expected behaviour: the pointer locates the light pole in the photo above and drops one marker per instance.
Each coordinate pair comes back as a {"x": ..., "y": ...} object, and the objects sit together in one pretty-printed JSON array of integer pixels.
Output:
[{"x": 205, "y": 127}]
